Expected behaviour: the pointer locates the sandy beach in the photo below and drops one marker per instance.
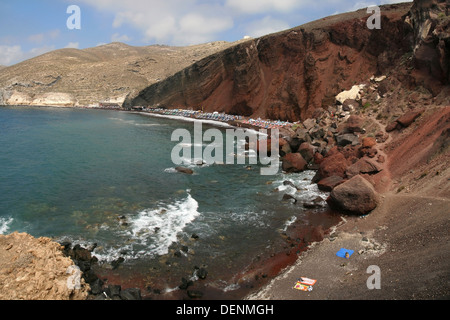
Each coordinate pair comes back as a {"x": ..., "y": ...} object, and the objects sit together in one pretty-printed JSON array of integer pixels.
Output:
[{"x": 406, "y": 237}]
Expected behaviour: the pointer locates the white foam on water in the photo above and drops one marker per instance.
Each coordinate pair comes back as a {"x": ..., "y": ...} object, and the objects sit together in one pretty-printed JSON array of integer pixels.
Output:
[
  {"x": 250, "y": 218},
  {"x": 289, "y": 222},
  {"x": 304, "y": 190},
  {"x": 5, "y": 224},
  {"x": 231, "y": 287},
  {"x": 164, "y": 224},
  {"x": 132, "y": 122},
  {"x": 151, "y": 232}
]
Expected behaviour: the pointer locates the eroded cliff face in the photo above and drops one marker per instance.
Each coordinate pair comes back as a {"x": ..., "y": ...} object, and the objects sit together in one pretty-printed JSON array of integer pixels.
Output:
[
  {"x": 429, "y": 23},
  {"x": 287, "y": 75}
]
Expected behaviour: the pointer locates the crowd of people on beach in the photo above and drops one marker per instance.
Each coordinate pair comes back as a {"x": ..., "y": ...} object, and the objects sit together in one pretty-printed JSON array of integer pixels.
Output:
[
  {"x": 198, "y": 114},
  {"x": 223, "y": 117},
  {"x": 267, "y": 124}
]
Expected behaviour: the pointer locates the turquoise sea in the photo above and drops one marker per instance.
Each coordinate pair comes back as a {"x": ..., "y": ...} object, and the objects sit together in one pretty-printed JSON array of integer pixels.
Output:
[{"x": 106, "y": 177}]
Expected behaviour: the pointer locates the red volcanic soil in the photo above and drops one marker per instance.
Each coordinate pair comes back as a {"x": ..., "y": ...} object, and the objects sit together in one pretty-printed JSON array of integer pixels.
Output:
[{"x": 287, "y": 75}]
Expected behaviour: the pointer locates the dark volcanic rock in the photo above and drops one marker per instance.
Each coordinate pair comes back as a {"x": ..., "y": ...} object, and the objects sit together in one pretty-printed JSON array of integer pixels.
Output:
[
  {"x": 194, "y": 294},
  {"x": 287, "y": 197},
  {"x": 131, "y": 294},
  {"x": 307, "y": 151},
  {"x": 347, "y": 139},
  {"x": 202, "y": 273},
  {"x": 184, "y": 170}
]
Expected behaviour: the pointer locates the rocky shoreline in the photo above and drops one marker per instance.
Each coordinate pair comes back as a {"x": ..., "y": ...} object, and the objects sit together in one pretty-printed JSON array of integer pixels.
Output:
[
  {"x": 380, "y": 148},
  {"x": 346, "y": 146}
]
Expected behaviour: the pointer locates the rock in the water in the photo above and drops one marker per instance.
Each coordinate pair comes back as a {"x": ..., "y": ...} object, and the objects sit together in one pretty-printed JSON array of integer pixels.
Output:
[
  {"x": 113, "y": 291},
  {"x": 356, "y": 196},
  {"x": 314, "y": 204},
  {"x": 184, "y": 170},
  {"x": 185, "y": 284},
  {"x": 289, "y": 183},
  {"x": 287, "y": 197},
  {"x": 202, "y": 273},
  {"x": 194, "y": 294},
  {"x": 131, "y": 294}
]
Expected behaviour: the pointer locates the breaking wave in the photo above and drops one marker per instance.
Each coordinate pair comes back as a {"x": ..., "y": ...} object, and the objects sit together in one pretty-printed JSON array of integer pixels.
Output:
[{"x": 151, "y": 232}]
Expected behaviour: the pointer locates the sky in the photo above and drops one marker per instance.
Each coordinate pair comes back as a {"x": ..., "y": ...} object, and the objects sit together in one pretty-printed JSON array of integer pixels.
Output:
[{"x": 29, "y": 28}]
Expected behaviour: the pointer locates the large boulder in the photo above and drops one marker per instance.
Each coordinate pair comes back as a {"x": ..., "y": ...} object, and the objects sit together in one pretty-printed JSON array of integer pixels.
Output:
[
  {"x": 307, "y": 151},
  {"x": 408, "y": 118},
  {"x": 354, "y": 124},
  {"x": 368, "y": 142},
  {"x": 332, "y": 165},
  {"x": 347, "y": 139},
  {"x": 404, "y": 121},
  {"x": 300, "y": 136},
  {"x": 293, "y": 162},
  {"x": 329, "y": 183},
  {"x": 355, "y": 196},
  {"x": 363, "y": 166}
]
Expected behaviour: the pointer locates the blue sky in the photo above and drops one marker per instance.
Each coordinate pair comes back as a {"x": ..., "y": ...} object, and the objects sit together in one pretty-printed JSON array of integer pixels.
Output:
[{"x": 32, "y": 27}]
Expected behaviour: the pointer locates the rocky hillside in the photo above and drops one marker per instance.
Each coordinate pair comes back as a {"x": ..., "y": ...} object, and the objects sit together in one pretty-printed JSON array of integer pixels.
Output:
[
  {"x": 72, "y": 77},
  {"x": 394, "y": 130},
  {"x": 288, "y": 75},
  {"x": 36, "y": 269}
]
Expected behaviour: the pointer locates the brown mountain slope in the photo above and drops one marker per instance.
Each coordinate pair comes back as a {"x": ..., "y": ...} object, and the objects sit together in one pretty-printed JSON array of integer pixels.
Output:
[
  {"x": 288, "y": 74},
  {"x": 110, "y": 72}
]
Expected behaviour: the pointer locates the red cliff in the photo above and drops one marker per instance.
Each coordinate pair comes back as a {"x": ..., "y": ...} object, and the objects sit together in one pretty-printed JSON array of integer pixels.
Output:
[{"x": 288, "y": 75}]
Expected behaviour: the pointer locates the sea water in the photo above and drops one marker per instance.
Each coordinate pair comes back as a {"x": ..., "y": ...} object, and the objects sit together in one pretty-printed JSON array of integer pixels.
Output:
[{"x": 106, "y": 177}]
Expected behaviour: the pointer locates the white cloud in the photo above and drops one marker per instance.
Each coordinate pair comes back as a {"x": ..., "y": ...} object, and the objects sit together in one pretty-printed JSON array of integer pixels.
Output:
[
  {"x": 10, "y": 55},
  {"x": 261, "y": 6},
  {"x": 37, "y": 38},
  {"x": 367, "y": 3},
  {"x": 116, "y": 37},
  {"x": 184, "y": 22},
  {"x": 266, "y": 26},
  {"x": 73, "y": 45},
  {"x": 177, "y": 22},
  {"x": 196, "y": 28},
  {"x": 41, "y": 37}
]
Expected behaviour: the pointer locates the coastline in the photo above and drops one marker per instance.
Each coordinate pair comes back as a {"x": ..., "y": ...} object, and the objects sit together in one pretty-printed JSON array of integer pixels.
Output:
[
  {"x": 255, "y": 275},
  {"x": 411, "y": 266},
  {"x": 375, "y": 242}
]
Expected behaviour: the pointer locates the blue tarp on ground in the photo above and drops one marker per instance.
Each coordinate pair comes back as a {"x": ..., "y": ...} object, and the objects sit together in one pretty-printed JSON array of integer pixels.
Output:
[{"x": 342, "y": 251}]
